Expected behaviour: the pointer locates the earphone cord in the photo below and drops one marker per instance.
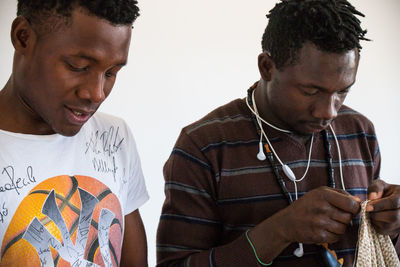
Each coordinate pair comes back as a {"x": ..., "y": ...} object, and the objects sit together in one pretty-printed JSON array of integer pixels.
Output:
[
  {"x": 270, "y": 154},
  {"x": 281, "y": 182},
  {"x": 339, "y": 157},
  {"x": 299, "y": 252},
  {"x": 255, "y": 113},
  {"x": 279, "y": 178},
  {"x": 260, "y": 127}
]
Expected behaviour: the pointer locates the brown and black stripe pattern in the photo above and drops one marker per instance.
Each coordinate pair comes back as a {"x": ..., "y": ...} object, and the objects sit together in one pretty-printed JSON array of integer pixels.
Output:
[{"x": 216, "y": 188}]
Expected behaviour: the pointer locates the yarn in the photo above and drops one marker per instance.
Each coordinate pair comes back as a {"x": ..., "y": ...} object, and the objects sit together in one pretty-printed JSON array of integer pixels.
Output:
[{"x": 374, "y": 249}]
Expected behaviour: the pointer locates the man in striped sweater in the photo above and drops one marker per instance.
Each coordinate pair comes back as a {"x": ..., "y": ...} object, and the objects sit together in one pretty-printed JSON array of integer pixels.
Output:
[{"x": 233, "y": 177}]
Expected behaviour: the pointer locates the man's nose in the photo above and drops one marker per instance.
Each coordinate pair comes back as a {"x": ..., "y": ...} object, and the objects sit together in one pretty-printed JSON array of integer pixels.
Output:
[
  {"x": 93, "y": 89},
  {"x": 326, "y": 109}
]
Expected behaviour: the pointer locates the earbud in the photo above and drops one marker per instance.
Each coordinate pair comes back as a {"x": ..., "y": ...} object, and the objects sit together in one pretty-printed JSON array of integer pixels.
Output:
[
  {"x": 288, "y": 172},
  {"x": 299, "y": 252},
  {"x": 261, "y": 156}
]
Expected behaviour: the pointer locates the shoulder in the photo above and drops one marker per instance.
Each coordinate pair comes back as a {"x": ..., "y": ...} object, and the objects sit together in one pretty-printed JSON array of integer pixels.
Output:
[
  {"x": 221, "y": 124},
  {"x": 228, "y": 115},
  {"x": 351, "y": 121},
  {"x": 227, "y": 124}
]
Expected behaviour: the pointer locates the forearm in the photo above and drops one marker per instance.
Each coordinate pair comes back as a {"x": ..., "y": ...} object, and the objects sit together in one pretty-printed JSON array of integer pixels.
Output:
[
  {"x": 134, "y": 248},
  {"x": 235, "y": 254},
  {"x": 269, "y": 238},
  {"x": 265, "y": 237}
]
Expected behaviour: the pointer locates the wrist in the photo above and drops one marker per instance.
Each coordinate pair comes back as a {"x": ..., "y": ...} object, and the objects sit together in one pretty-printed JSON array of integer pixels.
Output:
[
  {"x": 283, "y": 228},
  {"x": 269, "y": 239},
  {"x": 255, "y": 251}
]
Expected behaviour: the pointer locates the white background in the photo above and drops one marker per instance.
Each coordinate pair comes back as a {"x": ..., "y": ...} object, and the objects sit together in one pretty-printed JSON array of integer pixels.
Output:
[{"x": 189, "y": 57}]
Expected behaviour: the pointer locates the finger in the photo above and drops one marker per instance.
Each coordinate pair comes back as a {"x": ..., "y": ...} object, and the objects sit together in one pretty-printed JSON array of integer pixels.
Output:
[
  {"x": 330, "y": 237},
  {"x": 322, "y": 236},
  {"x": 376, "y": 189},
  {"x": 343, "y": 200},
  {"x": 386, "y": 222},
  {"x": 385, "y": 228},
  {"x": 389, "y": 216},
  {"x": 344, "y": 192},
  {"x": 391, "y": 202},
  {"x": 336, "y": 227},
  {"x": 341, "y": 217}
]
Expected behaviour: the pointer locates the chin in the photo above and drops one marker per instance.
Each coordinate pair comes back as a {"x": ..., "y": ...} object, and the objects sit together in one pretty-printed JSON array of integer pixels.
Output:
[
  {"x": 70, "y": 131},
  {"x": 305, "y": 129}
]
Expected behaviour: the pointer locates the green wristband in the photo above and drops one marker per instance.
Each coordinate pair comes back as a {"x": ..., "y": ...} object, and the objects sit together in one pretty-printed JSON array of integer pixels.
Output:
[{"x": 255, "y": 252}]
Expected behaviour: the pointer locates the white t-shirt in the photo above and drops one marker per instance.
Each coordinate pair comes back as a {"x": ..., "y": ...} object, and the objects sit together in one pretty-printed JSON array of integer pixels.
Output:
[{"x": 63, "y": 199}]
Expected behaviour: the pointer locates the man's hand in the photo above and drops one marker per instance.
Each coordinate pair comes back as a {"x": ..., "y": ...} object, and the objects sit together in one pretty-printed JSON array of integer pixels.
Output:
[
  {"x": 320, "y": 216},
  {"x": 384, "y": 207}
]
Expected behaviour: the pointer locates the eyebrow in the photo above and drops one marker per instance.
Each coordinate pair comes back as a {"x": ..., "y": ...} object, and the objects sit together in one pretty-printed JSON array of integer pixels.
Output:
[
  {"x": 95, "y": 60},
  {"x": 322, "y": 88}
]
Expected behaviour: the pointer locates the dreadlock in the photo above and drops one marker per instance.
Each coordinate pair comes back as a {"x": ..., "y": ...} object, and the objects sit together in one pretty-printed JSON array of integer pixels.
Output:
[
  {"x": 47, "y": 15},
  {"x": 331, "y": 25}
]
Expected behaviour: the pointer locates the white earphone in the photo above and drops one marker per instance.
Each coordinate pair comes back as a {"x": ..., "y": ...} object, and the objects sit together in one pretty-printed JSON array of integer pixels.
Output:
[
  {"x": 299, "y": 252},
  {"x": 260, "y": 155}
]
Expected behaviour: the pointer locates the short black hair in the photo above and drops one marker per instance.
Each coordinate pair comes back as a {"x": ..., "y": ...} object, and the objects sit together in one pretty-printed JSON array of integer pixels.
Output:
[
  {"x": 331, "y": 25},
  {"x": 40, "y": 12}
]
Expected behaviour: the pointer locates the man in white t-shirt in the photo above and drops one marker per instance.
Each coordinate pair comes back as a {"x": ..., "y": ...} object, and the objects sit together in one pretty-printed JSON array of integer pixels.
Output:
[{"x": 71, "y": 182}]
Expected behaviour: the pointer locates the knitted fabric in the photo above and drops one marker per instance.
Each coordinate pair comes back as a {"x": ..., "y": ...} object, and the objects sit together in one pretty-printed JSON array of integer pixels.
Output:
[{"x": 374, "y": 250}]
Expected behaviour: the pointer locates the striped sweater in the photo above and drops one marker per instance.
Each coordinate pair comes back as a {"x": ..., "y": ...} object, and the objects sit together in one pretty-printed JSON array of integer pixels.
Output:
[{"x": 216, "y": 188}]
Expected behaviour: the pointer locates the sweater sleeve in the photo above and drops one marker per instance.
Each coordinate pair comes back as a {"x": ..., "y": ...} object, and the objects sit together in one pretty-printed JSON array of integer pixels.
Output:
[
  {"x": 377, "y": 162},
  {"x": 377, "y": 167},
  {"x": 190, "y": 228}
]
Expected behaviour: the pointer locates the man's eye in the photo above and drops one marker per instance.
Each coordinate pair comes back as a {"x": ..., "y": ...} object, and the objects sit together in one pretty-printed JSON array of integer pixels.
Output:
[
  {"x": 77, "y": 69},
  {"x": 110, "y": 74},
  {"x": 310, "y": 92},
  {"x": 343, "y": 92}
]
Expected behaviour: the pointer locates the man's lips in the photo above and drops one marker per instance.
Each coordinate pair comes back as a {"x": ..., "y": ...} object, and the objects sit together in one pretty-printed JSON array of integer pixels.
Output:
[
  {"x": 317, "y": 126},
  {"x": 78, "y": 116}
]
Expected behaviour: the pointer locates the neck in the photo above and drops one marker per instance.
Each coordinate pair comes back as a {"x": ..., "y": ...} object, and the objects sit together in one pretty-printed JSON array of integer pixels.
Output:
[
  {"x": 255, "y": 108},
  {"x": 15, "y": 115},
  {"x": 264, "y": 106},
  {"x": 302, "y": 139}
]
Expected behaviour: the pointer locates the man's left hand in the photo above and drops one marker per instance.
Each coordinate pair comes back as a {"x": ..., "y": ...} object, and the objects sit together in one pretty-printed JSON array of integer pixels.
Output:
[{"x": 384, "y": 207}]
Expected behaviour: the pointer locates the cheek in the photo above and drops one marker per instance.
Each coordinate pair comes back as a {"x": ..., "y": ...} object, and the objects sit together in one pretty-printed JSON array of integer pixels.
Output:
[
  {"x": 108, "y": 87},
  {"x": 338, "y": 100},
  {"x": 44, "y": 79},
  {"x": 297, "y": 104},
  {"x": 56, "y": 77},
  {"x": 300, "y": 110},
  {"x": 62, "y": 78},
  {"x": 286, "y": 100},
  {"x": 341, "y": 99}
]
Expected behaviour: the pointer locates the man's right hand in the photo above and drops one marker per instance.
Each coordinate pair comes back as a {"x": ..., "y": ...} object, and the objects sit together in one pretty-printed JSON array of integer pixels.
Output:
[{"x": 320, "y": 216}]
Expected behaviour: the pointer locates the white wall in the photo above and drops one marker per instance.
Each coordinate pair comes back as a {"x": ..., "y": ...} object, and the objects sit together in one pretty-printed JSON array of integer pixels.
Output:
[{"x": 188, "y": 57}]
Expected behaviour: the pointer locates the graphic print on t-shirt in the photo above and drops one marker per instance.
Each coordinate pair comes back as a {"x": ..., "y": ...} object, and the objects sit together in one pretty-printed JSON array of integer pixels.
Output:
[{"x": 65, "y": 221}]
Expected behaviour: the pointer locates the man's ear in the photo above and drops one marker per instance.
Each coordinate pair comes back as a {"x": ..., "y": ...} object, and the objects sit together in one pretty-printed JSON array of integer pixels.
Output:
[
  {"x": 265, "y": 66},
  {"x": 22, "y": 34}
]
